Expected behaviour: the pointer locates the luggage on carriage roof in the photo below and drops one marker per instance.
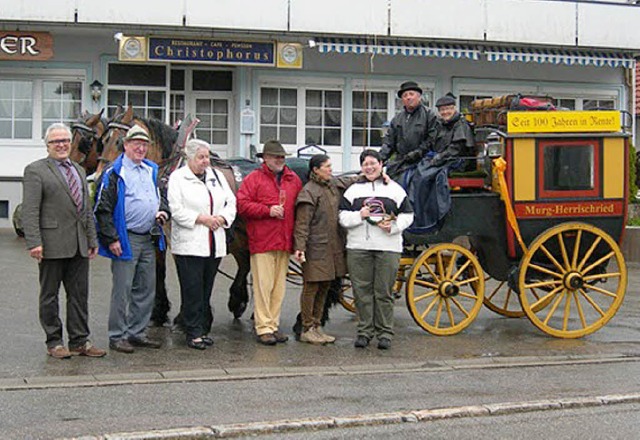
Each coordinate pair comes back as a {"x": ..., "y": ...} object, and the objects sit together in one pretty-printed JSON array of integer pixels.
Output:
[{"x": 493, "y": 111}]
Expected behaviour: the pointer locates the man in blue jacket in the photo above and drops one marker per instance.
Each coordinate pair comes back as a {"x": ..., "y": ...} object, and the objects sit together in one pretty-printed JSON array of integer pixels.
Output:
[{"x": 128, "y": 207}]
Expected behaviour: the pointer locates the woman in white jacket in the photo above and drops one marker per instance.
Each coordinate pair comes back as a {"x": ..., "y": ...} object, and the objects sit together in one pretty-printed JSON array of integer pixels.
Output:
[{"x": 202, "y": 206}]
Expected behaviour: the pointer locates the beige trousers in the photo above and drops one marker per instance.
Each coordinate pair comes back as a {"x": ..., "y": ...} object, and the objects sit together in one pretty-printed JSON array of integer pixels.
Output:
[{"x": 269, "y": 272}]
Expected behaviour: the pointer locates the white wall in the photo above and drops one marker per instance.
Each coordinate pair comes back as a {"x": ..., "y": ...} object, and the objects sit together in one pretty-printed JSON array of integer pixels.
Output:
[
  {"x": 618, "y": 30},
  {"x": 230, "y": 14},
  {"x": 438, "y": 19},
  {"x": 368, "y": 17},
  {"x": 50, "y": 10},
  {"x": 131, "y": 12}
]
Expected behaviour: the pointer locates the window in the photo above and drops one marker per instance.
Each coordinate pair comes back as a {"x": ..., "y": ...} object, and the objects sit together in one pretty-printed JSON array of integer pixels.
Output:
[
  {"x": 16, "y": 109},
  {"x": 568, "y": 168},
  {"x": 598, "y": 104},
  {"x": 177, "y": 104},
  {"x": 370, "y": 112},
  {"x": 4, "y": 209},
  {"x": 214, "y": 120},
  {"x": 278, "y": 115},
  {"x": 61, "y": 102},
  {"x": 323, "y": 117},
  {"x": 144, "y": 87},
  {"x": 565, "y": 103}
]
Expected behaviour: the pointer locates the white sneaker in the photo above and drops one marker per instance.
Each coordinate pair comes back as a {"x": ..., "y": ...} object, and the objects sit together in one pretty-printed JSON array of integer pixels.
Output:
[
  {"x": 323, "y": 335},
  {"x": 312, "y": 337}
]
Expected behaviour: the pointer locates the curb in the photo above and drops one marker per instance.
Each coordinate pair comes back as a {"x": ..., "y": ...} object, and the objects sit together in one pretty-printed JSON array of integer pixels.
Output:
[
  {"x": 322, "y": 423},
  {"x": 241, "y": 374}
]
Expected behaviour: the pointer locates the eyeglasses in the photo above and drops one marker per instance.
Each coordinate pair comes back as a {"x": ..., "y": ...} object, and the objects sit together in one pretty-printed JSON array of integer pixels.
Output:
[{"x": 59, "y": 142}]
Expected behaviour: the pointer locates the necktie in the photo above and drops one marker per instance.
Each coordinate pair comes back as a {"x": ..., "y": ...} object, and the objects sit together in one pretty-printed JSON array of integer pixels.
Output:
[{"x": 74, "y": 188}]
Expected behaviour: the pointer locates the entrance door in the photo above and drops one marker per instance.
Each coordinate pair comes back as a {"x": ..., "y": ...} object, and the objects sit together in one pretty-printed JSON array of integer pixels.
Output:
[{"x": 213, "y": 110}]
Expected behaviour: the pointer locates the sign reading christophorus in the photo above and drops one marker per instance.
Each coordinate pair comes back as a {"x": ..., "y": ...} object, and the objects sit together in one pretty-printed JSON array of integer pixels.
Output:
[
  {"x": 563, "y": 121},
  {"x": 211, "y": 51}
]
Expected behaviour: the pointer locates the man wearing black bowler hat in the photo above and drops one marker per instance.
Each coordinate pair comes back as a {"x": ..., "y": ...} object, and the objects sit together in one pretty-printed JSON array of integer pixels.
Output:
[{"x": 411, "y": 134}]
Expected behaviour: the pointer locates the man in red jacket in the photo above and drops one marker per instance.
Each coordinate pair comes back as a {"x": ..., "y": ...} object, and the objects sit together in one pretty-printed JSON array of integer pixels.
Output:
[{"x": 266, "y": 200}]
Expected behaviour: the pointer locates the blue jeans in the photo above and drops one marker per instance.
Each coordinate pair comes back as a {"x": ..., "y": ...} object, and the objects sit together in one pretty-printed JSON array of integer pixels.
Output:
[{"x": 134, "y": 290}]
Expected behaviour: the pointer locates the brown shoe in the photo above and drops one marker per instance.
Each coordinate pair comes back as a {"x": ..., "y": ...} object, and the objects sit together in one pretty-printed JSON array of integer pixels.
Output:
[
  {"x": 122, "y": 346},
  {"x": 59, "y": 352},
  {"x": 87, "y": 350},
  {"x": 267, "y": 339},
  {"x": 280, "y": 337}
]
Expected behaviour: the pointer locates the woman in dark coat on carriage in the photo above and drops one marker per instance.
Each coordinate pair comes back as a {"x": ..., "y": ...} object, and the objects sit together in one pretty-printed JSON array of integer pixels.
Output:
[
  {"x": 455, "y": 136},
  {"x": 319, "y": 243}
]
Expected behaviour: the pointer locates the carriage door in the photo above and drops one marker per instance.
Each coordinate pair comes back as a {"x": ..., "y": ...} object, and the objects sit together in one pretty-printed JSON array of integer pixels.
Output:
[{"x": 210, "y": 101}]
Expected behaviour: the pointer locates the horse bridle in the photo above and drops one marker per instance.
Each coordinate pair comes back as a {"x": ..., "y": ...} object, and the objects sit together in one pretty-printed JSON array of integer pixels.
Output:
[{"x": 108, "y": 132}]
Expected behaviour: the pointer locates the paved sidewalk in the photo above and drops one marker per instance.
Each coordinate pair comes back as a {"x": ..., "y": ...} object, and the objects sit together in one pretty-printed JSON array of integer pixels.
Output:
[{"x": 491, "y": 337}]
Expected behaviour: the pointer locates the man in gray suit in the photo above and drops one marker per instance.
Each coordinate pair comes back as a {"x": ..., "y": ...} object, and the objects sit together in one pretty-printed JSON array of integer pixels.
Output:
[{"x": 61, "y": 236}]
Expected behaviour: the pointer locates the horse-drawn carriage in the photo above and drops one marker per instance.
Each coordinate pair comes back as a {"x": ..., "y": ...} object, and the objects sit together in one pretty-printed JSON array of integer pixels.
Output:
[{"x": 542, "y": 227}]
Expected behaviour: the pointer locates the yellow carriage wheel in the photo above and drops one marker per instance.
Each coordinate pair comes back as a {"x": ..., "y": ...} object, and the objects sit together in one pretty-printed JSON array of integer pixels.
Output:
[
  {"x": 502, "y": 299},
  {"x": 346, "y": 297},
  {"x": 445, "y": 289},
  {"x": 572, "y": 280}
]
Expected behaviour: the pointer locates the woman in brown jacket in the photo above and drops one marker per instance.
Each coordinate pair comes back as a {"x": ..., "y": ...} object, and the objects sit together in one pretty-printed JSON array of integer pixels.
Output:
[{"x": 318, "y": 243}]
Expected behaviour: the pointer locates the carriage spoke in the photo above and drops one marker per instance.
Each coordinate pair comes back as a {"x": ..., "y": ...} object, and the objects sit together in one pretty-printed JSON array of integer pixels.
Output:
[
  {"x": 496, "y": 290},
  {"x": 451, "y": 263},
  {"x": 597, "y": 263},
  {"x": 588, "y": 254},
  {"x": 424, "y": 283},
  {"x": 438, "y": 312},
  {"x": 534, "y": 293},
  {"x": 600, "y": 290},
  {"x": 468, "y": 295},
  {"x": 468, "y": 281},
  {"x": 429, "y": 307},
  {"x": 507, "y": 298},
  {"x": 576, "y": 249},
  {"x": 563, "y": 251},
  {"x": 431, "y": 272},
  {"x": 545, "y": 298},
  {"x": 554, "y": 306},
  {"x": 460, "y": 307},
  {"x": 545, "y": 270},
  {"x": 567, "y": 311},
  {"x": 579, "y": 307},
  {"x": 450, "y": 313},
  {"x": 426, "y": 295},
  {"x": 461, "y": 269},
  {"x": 544, "y": 283},
  {"x": 552, "y": 258},
  {"x": 440, "y": 265},
  {"x": 592, "y": 302},
  {"x": 602, "y": 276}
]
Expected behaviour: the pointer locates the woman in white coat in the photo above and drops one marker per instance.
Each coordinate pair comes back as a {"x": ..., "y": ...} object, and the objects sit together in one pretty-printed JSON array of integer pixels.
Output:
[{"x": 202, "y": 206}]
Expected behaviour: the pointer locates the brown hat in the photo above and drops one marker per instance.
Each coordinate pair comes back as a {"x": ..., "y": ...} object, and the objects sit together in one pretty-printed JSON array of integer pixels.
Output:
[
  {"x": 409, "y": 85},
  {"x": 137, "y": 132},
  {"x": 273, "y": 148}
]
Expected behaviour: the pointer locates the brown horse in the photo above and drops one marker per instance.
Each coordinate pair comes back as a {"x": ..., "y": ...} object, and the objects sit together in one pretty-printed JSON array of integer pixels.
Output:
[{"x": 86, "y": 133}]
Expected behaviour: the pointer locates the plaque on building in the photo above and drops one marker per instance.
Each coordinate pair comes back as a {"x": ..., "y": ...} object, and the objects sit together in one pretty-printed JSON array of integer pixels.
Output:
[
  {"x": 206, "y": 51},
  {"x": 289, "y": 56},
  {"x": 26, "y": 46},
  {"x": 132, "y": 49}
]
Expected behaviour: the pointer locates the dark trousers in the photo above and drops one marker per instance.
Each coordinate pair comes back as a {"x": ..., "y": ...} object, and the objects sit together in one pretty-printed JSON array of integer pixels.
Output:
[
  {"x": 196, "y": 276},
  {"x": 73, "y": 274}
]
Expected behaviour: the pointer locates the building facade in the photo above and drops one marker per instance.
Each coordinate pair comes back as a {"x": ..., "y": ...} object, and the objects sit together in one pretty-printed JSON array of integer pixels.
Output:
[{"x": 303, "y": 72}]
